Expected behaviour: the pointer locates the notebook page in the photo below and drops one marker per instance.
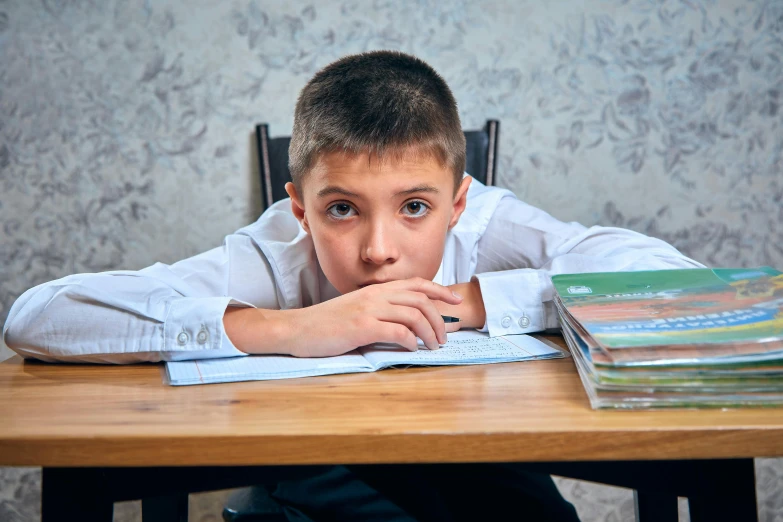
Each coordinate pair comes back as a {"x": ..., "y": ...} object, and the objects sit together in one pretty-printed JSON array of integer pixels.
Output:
[
  {"x": 464, "y": 347},
  {"x": 262, "y": 367}
]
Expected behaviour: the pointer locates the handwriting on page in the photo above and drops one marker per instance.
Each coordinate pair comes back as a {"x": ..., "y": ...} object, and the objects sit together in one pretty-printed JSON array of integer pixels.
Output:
[
  {"x": 467, "y": 347},
  {"x": 473, "y": 348}
]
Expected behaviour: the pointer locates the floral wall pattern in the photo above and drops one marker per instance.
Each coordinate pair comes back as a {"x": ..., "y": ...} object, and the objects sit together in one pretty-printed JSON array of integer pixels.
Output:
[{"x": 126, "y": 127}]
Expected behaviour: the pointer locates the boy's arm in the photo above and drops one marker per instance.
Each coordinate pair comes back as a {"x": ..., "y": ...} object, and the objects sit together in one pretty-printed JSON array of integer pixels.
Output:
[
  {"x": 523, "y": 247},
  {"x": 395, "y": 312},
  {"x": 184, "y": 311},
  {"x": 159, "y": 313}
]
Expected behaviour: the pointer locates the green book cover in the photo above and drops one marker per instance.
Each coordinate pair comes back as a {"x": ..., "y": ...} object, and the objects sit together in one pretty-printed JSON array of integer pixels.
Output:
[{"x": 676, "y": 307}]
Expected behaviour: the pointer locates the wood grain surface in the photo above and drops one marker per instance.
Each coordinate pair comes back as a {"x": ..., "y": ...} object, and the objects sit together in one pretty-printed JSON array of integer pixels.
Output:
[{"x": 91, "y": 415}]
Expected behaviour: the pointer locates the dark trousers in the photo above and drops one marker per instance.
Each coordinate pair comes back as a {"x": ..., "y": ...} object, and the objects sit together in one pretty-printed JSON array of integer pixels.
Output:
[{"x": 424, "y": 493}]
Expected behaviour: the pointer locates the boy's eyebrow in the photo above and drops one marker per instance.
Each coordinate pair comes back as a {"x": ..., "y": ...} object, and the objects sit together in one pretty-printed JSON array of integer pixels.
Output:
[
  {"x": 338, "y": 190},
  {"x": 418, "y": 188}
]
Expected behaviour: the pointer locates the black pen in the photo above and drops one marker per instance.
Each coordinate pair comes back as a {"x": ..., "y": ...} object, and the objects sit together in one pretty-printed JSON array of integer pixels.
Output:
[{"x": 450, "y": 319}]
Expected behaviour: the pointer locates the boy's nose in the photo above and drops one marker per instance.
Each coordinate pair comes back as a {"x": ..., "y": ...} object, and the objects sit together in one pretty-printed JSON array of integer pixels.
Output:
[{"x": 379, "y": 247}]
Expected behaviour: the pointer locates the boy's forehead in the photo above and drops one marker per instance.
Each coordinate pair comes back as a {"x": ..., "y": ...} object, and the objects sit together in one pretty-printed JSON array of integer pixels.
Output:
[{"x": 365, "y": 172}]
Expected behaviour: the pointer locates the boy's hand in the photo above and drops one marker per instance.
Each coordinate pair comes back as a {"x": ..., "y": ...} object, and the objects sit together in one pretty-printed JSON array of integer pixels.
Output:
[
  {"x": 470, "y": 311},
  {"x": 394, "y": 312}
]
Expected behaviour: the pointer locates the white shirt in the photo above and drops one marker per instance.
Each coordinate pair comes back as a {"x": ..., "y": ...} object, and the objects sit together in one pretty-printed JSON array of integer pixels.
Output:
[{"x": 175, "y": 312}]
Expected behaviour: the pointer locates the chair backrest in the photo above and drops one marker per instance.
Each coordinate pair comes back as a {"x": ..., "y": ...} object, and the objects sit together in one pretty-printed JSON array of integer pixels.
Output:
[{"x": 481, "y": 148}]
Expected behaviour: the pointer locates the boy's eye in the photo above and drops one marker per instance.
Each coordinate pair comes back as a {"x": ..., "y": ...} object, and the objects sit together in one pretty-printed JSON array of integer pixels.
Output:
[
  {"x": 341, "y": 210},
  {"x": 415, "y": 208}
]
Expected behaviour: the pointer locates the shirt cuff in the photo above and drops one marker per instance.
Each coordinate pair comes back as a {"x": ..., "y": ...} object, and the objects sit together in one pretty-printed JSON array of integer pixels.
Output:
[
  {"x": 512, "y": 302},
  {"x": 194, "y": 329}
]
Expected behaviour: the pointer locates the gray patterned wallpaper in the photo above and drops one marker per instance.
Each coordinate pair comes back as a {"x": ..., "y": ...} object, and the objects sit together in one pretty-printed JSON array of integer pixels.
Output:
[{"x": 125, "y": 128}]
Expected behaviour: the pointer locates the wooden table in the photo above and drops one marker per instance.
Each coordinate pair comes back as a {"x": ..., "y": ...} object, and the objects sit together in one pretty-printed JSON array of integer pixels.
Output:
[{"x": 64, "y": 417}]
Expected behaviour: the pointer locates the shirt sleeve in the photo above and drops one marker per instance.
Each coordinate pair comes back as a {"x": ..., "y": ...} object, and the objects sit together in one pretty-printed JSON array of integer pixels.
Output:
[
  {"x": 523, "y": 247},
  {"x": 160, "y": 313}
]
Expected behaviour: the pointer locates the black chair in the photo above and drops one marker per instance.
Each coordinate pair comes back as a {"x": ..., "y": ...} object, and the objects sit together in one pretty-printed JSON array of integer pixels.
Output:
[{"x": 481, "y": 150}]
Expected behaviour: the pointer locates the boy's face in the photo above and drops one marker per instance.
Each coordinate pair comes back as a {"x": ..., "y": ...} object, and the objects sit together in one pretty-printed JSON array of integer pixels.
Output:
[{"x": 373, "y": 222}]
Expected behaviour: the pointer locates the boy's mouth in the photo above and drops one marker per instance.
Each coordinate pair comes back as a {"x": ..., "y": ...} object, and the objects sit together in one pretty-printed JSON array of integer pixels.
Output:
[{"x": 374, "y": 282}]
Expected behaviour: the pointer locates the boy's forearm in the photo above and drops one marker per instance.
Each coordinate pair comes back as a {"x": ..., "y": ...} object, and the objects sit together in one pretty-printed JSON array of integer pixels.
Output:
[
  {"x": 257, "y": 330},
  {"x": 287, "y": 332},
  {"x": 471, "y": 310}
]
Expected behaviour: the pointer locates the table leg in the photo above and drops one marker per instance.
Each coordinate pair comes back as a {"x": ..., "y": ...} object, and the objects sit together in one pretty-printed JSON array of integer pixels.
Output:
[
  {"x": 75, "y": 494},
  {"x": 654, "y": 506},
  {"x": 726, "y": 491}
]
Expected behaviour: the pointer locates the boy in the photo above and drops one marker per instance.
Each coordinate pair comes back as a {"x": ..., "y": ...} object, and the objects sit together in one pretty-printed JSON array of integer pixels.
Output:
[{"x": 382, "y": 234}]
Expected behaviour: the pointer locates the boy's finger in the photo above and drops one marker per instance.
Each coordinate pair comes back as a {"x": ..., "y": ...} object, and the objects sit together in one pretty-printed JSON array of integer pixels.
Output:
[
  {"x": 425, "y": 306},
  {"x": 395, "y": 333},
  {"x": 453, "y": 327},
  {"x": 432, "y": 290},
  {"x": 415, "y": 321}
]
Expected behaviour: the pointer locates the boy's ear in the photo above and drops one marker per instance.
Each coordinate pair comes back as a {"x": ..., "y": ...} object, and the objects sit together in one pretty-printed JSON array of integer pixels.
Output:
[
  {"x": 297, "y": 206},
  {"x": 460, "y": 200}
]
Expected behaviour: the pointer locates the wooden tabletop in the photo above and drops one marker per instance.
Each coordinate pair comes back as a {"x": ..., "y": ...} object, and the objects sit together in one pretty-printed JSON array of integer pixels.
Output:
[{"x": 82, "y": 415}]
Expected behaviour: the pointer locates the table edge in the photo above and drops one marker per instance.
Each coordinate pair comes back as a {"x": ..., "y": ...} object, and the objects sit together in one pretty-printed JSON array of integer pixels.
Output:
[{"x": 397, "y": 448}]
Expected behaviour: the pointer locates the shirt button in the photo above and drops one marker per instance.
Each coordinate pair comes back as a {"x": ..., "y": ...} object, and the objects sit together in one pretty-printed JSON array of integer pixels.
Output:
[
  {"x": 202, "y": 337},
  {"x": 505, "y": 322},
  {"x": 183, "y": 338},
  {"x": 524, "y": 321}
]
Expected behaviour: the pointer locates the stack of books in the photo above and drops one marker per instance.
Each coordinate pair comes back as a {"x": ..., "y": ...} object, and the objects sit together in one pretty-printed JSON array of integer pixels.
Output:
[{"x": 676, "y": 338}]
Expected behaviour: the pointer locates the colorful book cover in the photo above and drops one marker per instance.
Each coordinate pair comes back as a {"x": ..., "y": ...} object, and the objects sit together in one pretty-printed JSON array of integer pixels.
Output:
[
  {"x": 673, "y": 355},
  {"x": 659, "y": 308}
]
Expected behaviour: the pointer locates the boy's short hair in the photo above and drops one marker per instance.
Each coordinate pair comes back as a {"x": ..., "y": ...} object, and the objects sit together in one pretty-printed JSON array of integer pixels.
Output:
[{"x": 384, "y": 103}]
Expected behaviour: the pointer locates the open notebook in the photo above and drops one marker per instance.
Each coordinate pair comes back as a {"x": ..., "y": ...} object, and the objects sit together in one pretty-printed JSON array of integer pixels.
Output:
[{"x": 465, "y": 347}]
